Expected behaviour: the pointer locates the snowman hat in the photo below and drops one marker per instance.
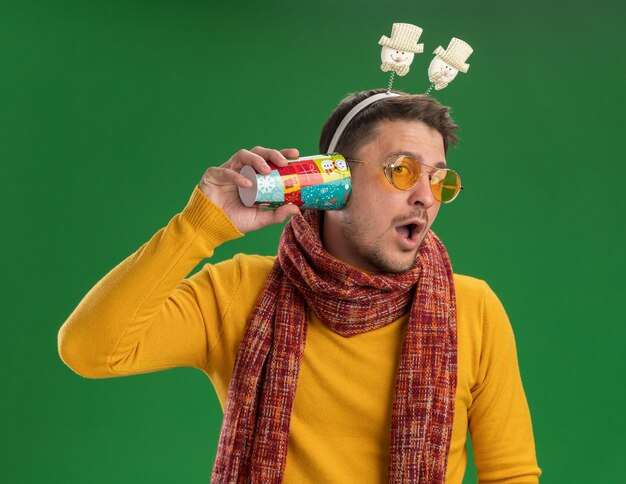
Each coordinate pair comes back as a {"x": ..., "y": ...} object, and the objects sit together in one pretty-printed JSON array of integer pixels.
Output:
[
  {"x": 404, "y": 37},
  {"x": 456, "y": 54}
]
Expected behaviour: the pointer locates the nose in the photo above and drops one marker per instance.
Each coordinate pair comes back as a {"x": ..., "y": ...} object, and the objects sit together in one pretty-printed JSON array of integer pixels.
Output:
[{"x": 421, "y": 194}]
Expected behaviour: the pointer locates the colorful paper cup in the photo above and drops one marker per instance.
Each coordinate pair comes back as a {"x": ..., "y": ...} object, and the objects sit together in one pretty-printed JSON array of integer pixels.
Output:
[{"x": 320, "y": 182}]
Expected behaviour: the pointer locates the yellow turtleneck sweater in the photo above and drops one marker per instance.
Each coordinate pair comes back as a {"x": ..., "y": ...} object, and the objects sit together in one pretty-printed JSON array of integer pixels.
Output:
[{"x": 145, "y": 316}]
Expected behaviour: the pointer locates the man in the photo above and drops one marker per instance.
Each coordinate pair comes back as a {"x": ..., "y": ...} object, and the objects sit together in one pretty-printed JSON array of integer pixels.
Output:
[{"x": 355, "y": 355}]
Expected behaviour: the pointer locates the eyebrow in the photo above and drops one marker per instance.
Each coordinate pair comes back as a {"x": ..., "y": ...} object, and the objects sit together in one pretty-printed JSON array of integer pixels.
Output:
[{"x": 415, "y": 156}]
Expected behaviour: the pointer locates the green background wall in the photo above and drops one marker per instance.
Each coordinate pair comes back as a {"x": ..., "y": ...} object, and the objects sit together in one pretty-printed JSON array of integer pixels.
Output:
[{"x": 112, "y": 110}]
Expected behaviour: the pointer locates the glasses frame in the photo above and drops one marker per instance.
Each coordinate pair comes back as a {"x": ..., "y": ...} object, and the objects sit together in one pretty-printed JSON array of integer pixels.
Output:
[{"x": 390, "y": 164}]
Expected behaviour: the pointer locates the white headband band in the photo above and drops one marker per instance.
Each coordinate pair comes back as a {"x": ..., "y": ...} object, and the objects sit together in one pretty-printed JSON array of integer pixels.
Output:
[{"x": 353, "y": 112}]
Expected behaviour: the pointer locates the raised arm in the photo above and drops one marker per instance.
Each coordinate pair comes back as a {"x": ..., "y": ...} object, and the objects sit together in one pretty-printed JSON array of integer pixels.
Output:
[{"x": 143, "y": 315}]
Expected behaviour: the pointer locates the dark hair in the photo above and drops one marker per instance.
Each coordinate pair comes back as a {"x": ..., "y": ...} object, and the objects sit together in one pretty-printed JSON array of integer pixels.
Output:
[{"x": 418, "y": 107}]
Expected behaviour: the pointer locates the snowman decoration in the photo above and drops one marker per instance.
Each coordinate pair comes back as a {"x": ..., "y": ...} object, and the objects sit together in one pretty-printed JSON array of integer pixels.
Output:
[
  {"x": 448, "y": 62},
  {"x": 398, "y": 51},
  {"x": 328, "y": 166},
  {"x": 341, "y": 165}
]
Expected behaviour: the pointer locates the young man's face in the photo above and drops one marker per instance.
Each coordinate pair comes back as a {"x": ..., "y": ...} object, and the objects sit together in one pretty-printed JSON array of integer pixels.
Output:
[{"x": 372, "y": 231}]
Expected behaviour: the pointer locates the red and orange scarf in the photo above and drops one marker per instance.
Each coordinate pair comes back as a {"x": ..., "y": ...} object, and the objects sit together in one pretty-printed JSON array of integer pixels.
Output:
[{"x": 255, "y": 432}]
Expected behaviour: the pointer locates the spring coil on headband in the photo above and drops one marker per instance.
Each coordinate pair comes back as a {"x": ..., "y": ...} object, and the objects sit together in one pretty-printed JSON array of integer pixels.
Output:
[{"x": 397, "y": 55}]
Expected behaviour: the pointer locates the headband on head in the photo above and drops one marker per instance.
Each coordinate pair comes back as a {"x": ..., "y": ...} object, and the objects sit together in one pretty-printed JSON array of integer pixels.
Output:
[
  {"x": 353, "y": 112},
  {"x": 397, "y": 54}
]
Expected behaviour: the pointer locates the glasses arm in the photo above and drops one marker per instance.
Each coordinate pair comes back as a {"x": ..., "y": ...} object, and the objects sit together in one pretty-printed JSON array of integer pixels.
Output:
[{"x": 375, "y": 163}]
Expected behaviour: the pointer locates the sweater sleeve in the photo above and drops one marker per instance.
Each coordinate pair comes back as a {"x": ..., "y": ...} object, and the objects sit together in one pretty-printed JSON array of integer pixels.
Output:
[
  {"x": 499, "y": 417},
  {"x": 143, "y": 315}
]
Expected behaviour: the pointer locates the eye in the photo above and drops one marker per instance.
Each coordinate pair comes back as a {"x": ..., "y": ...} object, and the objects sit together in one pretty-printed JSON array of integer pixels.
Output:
[{"x": 400, "y": 170}]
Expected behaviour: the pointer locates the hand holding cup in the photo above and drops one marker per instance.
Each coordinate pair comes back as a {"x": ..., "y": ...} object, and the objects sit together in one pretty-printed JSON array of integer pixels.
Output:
[{"x": 220, "y": 185}]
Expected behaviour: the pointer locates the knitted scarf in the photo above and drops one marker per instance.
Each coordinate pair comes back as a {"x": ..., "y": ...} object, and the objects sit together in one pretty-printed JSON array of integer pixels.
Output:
[{"x": 255, "y": 431}]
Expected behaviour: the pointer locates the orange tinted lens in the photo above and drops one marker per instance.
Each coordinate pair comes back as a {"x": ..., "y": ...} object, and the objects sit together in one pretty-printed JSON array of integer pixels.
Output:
[
  {"x": 445, "y": 185},
  {"x": 405, "y": 172}
]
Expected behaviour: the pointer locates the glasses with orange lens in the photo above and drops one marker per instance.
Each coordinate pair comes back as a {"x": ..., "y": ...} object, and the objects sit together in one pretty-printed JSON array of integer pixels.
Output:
[{"x": 403, "y": 172}]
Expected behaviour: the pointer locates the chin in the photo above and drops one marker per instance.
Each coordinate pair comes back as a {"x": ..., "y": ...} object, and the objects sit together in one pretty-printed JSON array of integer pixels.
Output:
[
  {"x": 397, "y": 266},
  {"x": 403, "y": 264},
  {"x": 405, "y": 268}
]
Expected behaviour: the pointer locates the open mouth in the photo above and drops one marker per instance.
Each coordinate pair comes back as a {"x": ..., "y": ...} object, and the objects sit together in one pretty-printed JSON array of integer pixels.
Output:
[{"x": 409, "y": 231}]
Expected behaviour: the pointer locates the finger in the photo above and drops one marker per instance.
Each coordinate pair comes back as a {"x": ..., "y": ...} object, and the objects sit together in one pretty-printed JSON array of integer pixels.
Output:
[
  {"x": 224, "y": 176},
  {"x": 256, "y": 161},
  {"x": 268, "y": 154},
  {"x": 268, "y": 217},
  {"x": 282, "y": 213},
  {"x": 290, "y": 153}
]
